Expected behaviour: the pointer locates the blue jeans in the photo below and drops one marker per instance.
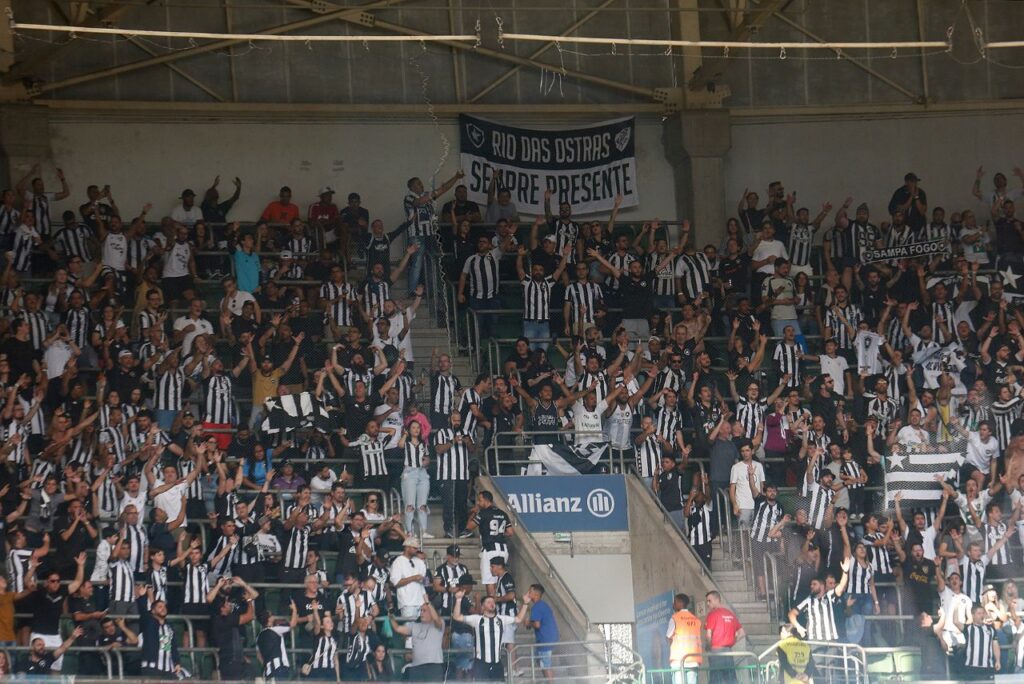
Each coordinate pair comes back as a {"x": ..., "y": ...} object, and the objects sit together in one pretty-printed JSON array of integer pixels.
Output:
[
  {"x": 425, "y": 254},
  {"x": 415, "y": 489},
  {"x": 463, "y": 640},
  {"x": 537, "y": 330},
  {"x": 486, "y": 323}
]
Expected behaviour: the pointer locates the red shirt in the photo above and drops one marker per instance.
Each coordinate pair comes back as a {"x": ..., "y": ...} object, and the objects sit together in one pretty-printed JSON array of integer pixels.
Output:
[
  {"x": 324, "y": 213},
  {"x": 723, "y": 625},
  {"x": 280, "y": 213}
]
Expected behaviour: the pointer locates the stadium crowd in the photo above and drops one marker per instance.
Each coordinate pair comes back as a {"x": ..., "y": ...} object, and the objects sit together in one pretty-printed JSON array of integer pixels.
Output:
[{"x": 782, "y": 381}]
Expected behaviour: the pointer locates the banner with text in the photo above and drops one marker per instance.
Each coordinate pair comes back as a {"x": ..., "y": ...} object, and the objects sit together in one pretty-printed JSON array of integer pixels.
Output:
[
  {"x": 568, "y": 503},
  {"x": 910, "y": 250},
  {"x": 586, "y": 167}
]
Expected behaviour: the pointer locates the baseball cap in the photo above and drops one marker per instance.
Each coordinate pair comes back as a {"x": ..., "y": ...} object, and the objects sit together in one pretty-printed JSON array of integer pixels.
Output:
[
  {"x": 466, "y": 580},
  {"x": 453, "y": 550},
  {"x": 411, "y": 541},
  {"x": 124, "y": 352},
  {"x": 325, "y": 190},
  {"x": 551, "y": 238},
  {"x": 911, "y": 176},
  {"x": 286, "y": 254},
  {"x": 187, "y": 192}
]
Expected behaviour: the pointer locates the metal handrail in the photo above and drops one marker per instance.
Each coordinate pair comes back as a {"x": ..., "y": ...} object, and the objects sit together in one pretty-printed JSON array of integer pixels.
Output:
[
  {"x": 767, "y": 657},
  {"x": 525, "y": 660}
]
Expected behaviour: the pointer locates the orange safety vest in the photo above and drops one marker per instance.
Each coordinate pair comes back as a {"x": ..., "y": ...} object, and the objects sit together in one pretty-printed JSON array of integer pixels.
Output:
[{"x": 685, "y": 639}]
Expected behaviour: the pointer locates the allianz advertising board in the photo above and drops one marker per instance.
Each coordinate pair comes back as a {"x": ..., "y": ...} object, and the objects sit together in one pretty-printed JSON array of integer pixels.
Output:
[{"x": 568, "y": 503}]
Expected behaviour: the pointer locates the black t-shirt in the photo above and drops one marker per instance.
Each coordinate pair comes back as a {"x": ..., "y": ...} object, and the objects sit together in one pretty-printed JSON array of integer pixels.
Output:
[
  {"x": 91, "y": 626},
  {"x": 669, "y": 490},
  {"x": 42, "y": 666},
  {"x": 734, "y": 272},
  {"x": 79, "y": 541},
  {"x": 636, "y": 295},
  {"x": 357, "y": 415},
  {"x": 160, "y": 538},
  {"x": 240, "y": 449},
  {"x": 124, "y": 381},
  {"x": 492, "y": 523},
  {"x": 47, "y": 609},
  {"x": 224, "y": 629},
  {"x": 351, "y": 217},
  {"x": 20, "y": 355},
  {"x": 919, "y": 577},
  {"x": 462, "y": 208},
  {"x": 548, "y": 261}
]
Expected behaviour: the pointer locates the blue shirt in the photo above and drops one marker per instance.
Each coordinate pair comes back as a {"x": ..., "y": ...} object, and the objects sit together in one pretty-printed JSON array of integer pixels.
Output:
[
  {"x": 247, "y": 270},
  {"x": 547, "y": 632}
]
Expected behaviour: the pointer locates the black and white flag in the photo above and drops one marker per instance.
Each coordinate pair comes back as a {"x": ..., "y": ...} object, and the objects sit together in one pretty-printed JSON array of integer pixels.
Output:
[
  {"x": 294, "y": 411},
  {"x": 919, "y": 476},
  {"x": 563, "y": 459}
]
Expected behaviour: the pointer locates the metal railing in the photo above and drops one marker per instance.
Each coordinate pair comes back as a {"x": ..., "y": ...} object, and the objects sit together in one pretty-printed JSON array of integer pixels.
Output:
[
  {"x": 835, "y": 662},
  {"x": 575, "y": 661}
]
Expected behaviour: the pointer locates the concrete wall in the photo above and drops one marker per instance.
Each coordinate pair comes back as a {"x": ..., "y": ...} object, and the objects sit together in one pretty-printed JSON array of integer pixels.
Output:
[
  {"x": 154, "y": 162},
  {"x": 829, "y": 158}
]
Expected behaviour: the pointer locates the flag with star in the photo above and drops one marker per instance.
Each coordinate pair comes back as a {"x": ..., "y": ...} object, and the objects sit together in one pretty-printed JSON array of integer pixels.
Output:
[{"x": 919, "y": 475}]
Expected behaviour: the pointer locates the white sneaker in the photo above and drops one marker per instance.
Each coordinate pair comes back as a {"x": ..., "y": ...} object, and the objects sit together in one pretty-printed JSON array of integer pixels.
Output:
[{"x": 427, "y": 535}]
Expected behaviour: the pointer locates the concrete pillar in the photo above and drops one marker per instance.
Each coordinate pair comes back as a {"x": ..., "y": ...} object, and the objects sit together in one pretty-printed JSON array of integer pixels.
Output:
[
  {"x": 24, "y": 140},
  {"x": 695, "y": 144}
]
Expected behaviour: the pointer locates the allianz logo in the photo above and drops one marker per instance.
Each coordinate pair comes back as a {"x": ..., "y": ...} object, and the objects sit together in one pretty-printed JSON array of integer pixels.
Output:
[{"x": 599, "y": 502}]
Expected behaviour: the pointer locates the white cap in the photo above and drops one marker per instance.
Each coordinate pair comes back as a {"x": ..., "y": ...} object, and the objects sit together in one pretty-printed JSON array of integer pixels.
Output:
[{"x": 326, "y": 189}]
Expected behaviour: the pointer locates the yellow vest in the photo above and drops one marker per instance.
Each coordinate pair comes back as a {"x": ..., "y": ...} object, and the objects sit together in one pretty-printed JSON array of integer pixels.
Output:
[
  {"x": 685, "y": 639},
  {"x": 798, "y": 653}
]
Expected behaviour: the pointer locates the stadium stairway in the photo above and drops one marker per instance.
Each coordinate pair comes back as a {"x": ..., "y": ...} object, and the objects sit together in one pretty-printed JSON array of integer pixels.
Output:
[{"x": 737, "y": 586}]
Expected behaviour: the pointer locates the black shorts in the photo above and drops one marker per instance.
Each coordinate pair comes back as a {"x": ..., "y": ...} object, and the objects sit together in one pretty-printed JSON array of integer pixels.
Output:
[{"x": 200, "y": 609}]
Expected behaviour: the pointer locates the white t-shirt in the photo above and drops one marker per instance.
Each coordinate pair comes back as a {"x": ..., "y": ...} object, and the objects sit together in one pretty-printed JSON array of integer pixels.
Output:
[
  {"x": 320, "y": 487},
  {"x": 413, "y": 593},
  {"x": 393, "y": 421},
  {"x": 587, "y": 422},
  {"x": 837, "y": 369},
  {"x": 981, "y": 454},
  {"x": 766, "y": 249},
  {"x": 911, "y": 436},
  {"x": 170, "y": 500},
  {"x": 236, "y": 301},
  {"x": 202, "y": 327},
  {"x": 738, "y": 477},
  {"x": 396, "y": 328},
  {"x": 115, "y": 251},
  {"x": 176, "y": 260},
  {"x": 56, "y": 357},
  {"x": 868, "y": 344},
  {"x": 187, "y": 217}
]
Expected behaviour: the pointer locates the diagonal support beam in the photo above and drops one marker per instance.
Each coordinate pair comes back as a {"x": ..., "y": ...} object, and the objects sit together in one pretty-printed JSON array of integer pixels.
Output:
[
  {"x": 37, "y": 59},
  {"x": 711, "y": 68},
  {"x": 800, "y": 28},
  {"x": 540, "y": 51},
  {"x": 355, "y": 15},
  {"x": 497, "y": 55},
  {"x": 179, "y": 71}
]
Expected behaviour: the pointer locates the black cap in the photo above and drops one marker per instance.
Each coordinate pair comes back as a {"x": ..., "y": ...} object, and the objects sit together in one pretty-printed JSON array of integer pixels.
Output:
[
  {"x": 187, "y": 192},
  {"x": 453, "y": 550},
  {"x": 466, "y": 580},
  {"x": 911, "y": 177}
]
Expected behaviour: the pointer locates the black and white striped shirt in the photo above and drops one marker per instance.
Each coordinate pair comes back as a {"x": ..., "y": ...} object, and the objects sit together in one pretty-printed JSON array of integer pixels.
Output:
[
  {"x": 482, "y": 275},
  {"x": 298, "y": 546},
  {"x": 787, "y": 360},
  {"x": 973, "y": 575},
  {"x": 585, "y": 295},
  {"x": 978, "y": 651},
  {"x": 72, "y": 241},
  {"x": 648, "y": 456},
  {"x": 667, "y": 423},
  {"x": 842, "y": 334},
  {"x": 821, "y": 499},
  {"x": 851, "y": 469},
  {"x": 449, "y": 575},
  {"x": 415, "y": 454},
  {"x": 671, "y": 379},
  {"x": 41, "y": 211},
  {"x": 197, "y": 582},
  {"x": 421, "y": 217},
  {"x": 665, "y": 278},
  {"x": 489, "y": 632},
  {"x": 79, "y": 325},
  {"x": 220, "y": 400},
  {"x": 38, "y": 327},
  {"x": 136, "y": 540},
  {"x": 223, "y": 567},
  {"x": 164, "y": 654},
  {"x": 442, "y": 392},
  {"x": 351, "y": 612},
  {"x": 699, "y": 525},
  {"x": 1003, "y": 415},
  {"x": 454, "y": 463},
  {"x": 272, "y": 648},
  {"x": 537, "y": 298},
  {"x": 325, "y": 654},
  {"x": 371, "y": 450},
  {"x": 881, "y": 563},
  {"x": 991, "y": 534},
  {"x": 470, "y": 398},
  {"x": 374, "y": 294},
  {"x": 122, "y": 581},
  {"x": 10, "y": 218},
  {"x": 895, "y": 335},
  {"x": 821, "y": 620},
  {"x": 801, "y": 239},
  {"x": 567, "y": 233},
  {"x": 339, "y": 312},
  {"x": 116, "y": 441},
  {"x": 750, "y": 414},
  {"x": 860, "y": 578},
  {"x": 695, "y": 271},
  {"x": 170, "y": 390},
  {"x": 17, "y": 568},
  {"x": 358, "y": 649},
  {"x": 766, "y": 516},
  {"x": 158, "y": 578},
  {"x": 621, "y": 262}
]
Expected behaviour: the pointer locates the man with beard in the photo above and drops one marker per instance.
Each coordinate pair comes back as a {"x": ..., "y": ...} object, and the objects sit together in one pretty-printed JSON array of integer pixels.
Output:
[{"x": 537, "y": 298}]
